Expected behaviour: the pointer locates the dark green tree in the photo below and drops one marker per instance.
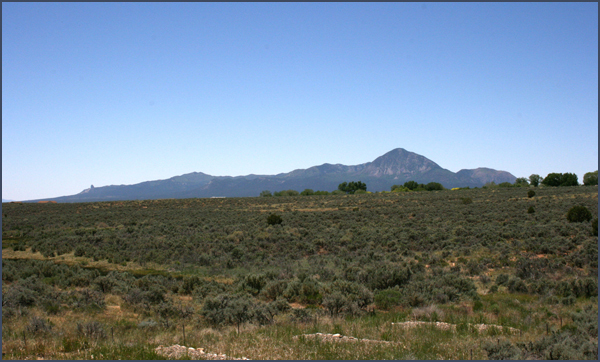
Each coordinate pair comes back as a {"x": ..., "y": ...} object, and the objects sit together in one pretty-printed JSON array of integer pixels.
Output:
[
  {"x": 307, "y": 192},
  {"x": 569, "y": 179},
  {"x": 552, "y": 179},
  {"x": 590, "y": 178},
  {"x": 266, "y": 193},
  {"x": 433, "y": 186},
  {"x": 411, "y": 185},
  {"x": 534, "y": 180},
  {"x": 521, "y": 181},
  {"x": 560, "y": 179},
  {"x": 351, "y": 187}
]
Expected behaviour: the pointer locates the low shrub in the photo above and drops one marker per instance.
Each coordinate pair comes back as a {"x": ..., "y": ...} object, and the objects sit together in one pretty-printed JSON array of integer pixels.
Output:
[
  {"x": 37, "y": 326},
  {"x": 149, "y": 324},
  {"x": 274, "y": 219},
  {"x": 501, "y": 350},
  {"x": 93, "y": 330},
  {"x": 530, "y": 193},
  {"x": 84, "y": 299},
  {"x": 335, "y": 303},
  {"x": 385, "y": 299}
]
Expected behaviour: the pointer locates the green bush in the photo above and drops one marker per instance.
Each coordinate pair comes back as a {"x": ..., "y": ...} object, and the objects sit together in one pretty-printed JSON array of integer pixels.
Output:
[
  {"x": 501, "y": 279},
  {"x": 274, "y": 219},
  {"x": 335, "y": 303},
  {"x": 253, "y": 283},
  {"x": 579, "y": 214},
  {"x": 466, "y": 200},
  {"x": 530, "y": 193},
  {"x": 228, "y": 309},
  {"x": 501, "y": 350},
  {"x": 84, "y": 299},
  {"x": 530, "y": 210},
  {"x": 385, "y": 299},
  {"x": 516, "y": 285},
  {"x": 93, "y": 330},
  {"x": 37, "y": 326},
  {"x": 274, "y": 289},
  {"x": 595, "y": 227}
]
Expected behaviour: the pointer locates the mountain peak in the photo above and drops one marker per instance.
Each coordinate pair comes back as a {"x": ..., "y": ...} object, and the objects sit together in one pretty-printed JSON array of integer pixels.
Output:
[{"x": 399, "y": 162}]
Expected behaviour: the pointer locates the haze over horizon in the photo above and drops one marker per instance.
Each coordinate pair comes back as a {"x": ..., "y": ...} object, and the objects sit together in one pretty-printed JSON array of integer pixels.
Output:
[{"x": 121, "y": 93}]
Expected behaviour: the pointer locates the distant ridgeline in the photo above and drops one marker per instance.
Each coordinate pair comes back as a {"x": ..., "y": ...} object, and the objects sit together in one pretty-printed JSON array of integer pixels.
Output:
[{"x": 393, "y": 168}]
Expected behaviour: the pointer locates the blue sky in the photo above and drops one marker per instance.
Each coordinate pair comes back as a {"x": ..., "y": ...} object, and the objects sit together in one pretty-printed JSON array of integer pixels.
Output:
[{"x": 121, "y": 93}]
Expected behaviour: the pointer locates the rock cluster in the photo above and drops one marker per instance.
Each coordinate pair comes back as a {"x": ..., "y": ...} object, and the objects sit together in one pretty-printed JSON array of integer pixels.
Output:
[
  {"x": 447, "y": 326},
  {"x": 441, "y": 325},
  {"x": 326, "y": 337},
  {"x": 177, "y": 351}
]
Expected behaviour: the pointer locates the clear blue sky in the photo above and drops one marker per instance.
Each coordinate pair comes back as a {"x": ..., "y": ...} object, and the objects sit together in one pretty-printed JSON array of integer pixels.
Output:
[{"x": 121, "y": 93}]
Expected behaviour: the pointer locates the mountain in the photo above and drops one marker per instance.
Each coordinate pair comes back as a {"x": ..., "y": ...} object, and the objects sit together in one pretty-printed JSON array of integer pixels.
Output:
[
  {"x": 394, "y": 167},
  {"x": 5, "y": 200}
]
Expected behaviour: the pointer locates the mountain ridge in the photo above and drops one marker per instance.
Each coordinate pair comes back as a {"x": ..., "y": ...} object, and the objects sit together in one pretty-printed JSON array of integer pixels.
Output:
[{"x": 394, "y": 167}]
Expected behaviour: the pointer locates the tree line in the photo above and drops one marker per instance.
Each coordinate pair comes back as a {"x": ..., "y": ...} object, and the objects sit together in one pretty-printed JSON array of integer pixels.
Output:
[{"x": 551, "y": 180}]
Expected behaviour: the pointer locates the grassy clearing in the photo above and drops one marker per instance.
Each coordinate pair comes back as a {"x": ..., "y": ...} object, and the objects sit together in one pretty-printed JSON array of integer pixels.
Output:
[{"x": 125, "y": 337}]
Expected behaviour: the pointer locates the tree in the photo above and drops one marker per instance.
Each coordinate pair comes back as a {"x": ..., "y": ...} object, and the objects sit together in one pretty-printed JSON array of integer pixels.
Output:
[
  {"x": 552, "y": 179},
  {"x": 351, "y": 187},
  {"x": 432, "y": 186},
  {"x": 266, "y": 193},
  {"x": 534, "y": 180},
  {"x": 590, "y": 178},
  {"x": 521, "y": 181},
  {"x": 307, "y": 192},
  {"x": 287, "y": 193},
  {"x": 569, "y": 179},
  {"x": 411, "y": 185},
  {"x": 560, "y": 179}
]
